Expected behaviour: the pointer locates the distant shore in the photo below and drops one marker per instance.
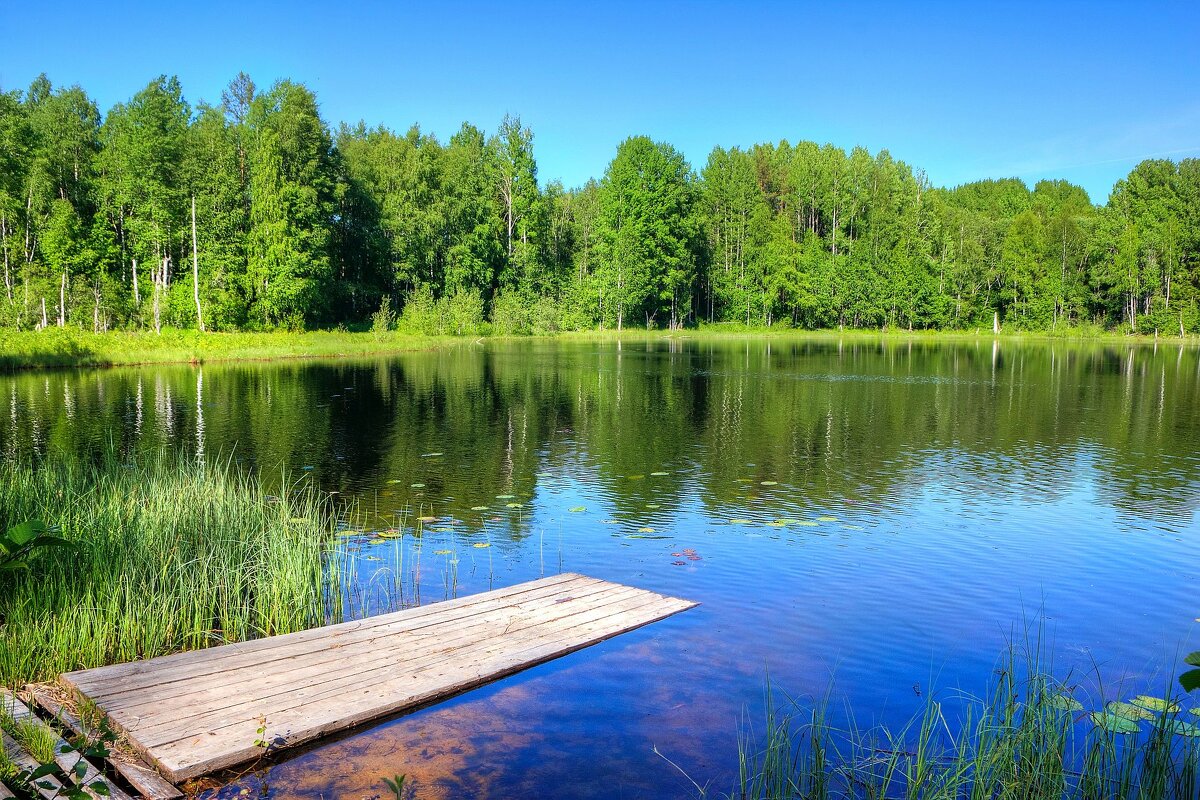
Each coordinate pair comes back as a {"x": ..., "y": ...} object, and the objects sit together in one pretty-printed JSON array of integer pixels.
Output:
[{"x": 59, "y": 348}]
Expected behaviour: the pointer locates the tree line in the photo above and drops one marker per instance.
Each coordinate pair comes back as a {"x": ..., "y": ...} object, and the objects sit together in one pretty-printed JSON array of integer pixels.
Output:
[{"x": 253, "y": 213}]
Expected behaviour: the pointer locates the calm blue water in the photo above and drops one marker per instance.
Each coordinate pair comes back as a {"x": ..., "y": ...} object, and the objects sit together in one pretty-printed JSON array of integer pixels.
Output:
[{"x": 875, "y": 520}]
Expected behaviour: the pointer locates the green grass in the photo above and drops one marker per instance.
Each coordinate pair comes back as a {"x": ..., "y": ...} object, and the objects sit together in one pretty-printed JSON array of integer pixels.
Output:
[
  {"x": 1020, "y": 741},
  {"x": 37, "y": 739},
  {"x": 55, "y": 347},
  {"x": 170, "y": 555},
  {"x": 67, "y": 347}
]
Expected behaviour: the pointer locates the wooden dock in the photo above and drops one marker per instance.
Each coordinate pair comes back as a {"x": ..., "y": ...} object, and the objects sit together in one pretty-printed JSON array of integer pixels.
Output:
[{"x": 197, "y": 712}]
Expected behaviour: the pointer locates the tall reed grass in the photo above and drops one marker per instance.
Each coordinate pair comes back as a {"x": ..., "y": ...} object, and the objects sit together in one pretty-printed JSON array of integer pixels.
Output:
[
  {"x": 1028, "y": 738},
  {"x": 169, "y": 555}
]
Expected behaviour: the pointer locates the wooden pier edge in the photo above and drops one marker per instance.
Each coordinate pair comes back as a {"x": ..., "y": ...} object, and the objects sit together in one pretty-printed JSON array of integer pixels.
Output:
[{"x": 195, "y": 721}]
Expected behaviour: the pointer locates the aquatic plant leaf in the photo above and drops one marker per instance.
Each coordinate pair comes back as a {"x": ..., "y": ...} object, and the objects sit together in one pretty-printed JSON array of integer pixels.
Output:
[
  {"x": 1063, "y": 702},
  {"x": 577, "y": 509},
  {"x": 426, "y": 519},
  {"x": 431, "y": 455},
  {"x": 482, "y": 544},
  {"x": 768, "y": 483},
  {"x": 826, "y": 518},
  {"x": 1113, "y": 723},
  {"x": 647, "y": 536},
  {"x": 395, "y": 480},
  {"x": 635, "y": 477},
  {"x": 1156, "y": 704},
  {"x": 442, "y": 552},
  {"x": 787, "y": 521},
  {"x": 1190, "y": 680},
  {"x": 741, "y": 521},
  {"x": 1181, "y": 728},
  {"x": 659, "y": 474},
  {"x": 777, "y": 524},
  {"x": 807, "y": 523},
  {"x": 646, "y": 530},
  {"x": 505, "y": 496},
  {"x": 1128, "y": 711},
  {"x": 512, "y": 505},
  {"x": 653, "y": 506},
  {"x": 416, "y": 486},
  {"x": 1192, "y": 659},
  {"x": 479, "y": 508}
]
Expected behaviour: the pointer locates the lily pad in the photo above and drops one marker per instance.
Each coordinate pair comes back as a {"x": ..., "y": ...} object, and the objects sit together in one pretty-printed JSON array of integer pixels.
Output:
[
  {"x": 512, "y": 505},
  {"x": 427, "y": 519},
  {"x": 1128, "y": 711},
  {"x": 479, "y": 508},
  {"x": 740, "y": 521},
  {"x": 505, "y": 496},
  {"x": 1181, "y": 728},
  {"x": 1113, "y": 723},
  {"x": 635, "y": 477},
  {"x": 646, "y": 530},
  {"x": 431, "y": 455},
  {"x": 442, "y": 552},
  {"x": 482, "y": 544},
  {"x": 827, "y": 518},
  {"x": 1063, "y": 702},
  {"x": 577, "y": 509},
  {"x": 768, "y": 483},
  {"x": 777, "y": 524},
  {"x": 787, "y": 521},
  {"x": 1155, "y": 704},
  {"x": 653, "y": 506},
  {"x": 805, "y": 523},
  {"x": 659, "y": 474},
  {"x": 416, "y": 486},
  {"x": 395, "y": 480}
]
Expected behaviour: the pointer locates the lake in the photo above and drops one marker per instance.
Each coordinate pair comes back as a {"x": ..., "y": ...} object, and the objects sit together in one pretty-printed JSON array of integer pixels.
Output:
[{"x": 870, "y": 519}]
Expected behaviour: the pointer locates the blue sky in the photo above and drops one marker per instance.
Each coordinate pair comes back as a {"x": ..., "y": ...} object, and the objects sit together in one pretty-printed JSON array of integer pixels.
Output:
[{"x": 962, "y": 90}]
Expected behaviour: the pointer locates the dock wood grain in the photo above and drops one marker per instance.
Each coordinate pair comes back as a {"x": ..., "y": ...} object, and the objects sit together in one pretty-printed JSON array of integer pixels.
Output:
[{"x": 194, "y": 713}]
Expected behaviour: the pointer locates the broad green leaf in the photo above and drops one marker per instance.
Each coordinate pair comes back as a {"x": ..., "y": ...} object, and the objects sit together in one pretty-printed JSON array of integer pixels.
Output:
[{"x": 1113, "y": 723}]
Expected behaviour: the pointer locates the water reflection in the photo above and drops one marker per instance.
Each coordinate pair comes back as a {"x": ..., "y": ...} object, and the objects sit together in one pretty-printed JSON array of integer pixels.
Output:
[{"x": 875, "y": 514}]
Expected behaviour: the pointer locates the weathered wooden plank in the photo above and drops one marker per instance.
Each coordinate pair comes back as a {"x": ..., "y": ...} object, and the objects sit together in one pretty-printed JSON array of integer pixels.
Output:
[
  {"x": 391, "y": 645},
  {"x": 142, "y": 777},
  {"x": 67, "y": 761},
  {"x": 202, "y": 710},
  {"x": 223, "y": 746},
  {"x": 5, "y": 794},
  {"x": 238, "y": 706},
  {"x": 398, "y": 652},
  {"x": 136, "y": 675}
]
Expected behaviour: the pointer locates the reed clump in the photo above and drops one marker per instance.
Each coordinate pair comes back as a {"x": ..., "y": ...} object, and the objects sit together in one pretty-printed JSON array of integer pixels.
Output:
[
  {"x": 1028, "y": 738},
  {"x": 167, "y": 555}
]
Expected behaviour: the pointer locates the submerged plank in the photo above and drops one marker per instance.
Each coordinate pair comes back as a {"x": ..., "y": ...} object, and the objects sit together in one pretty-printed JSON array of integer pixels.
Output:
[{"x": 197, "y": 712}]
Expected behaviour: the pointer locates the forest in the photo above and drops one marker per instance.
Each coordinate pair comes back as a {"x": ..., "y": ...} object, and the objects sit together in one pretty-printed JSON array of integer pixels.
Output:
[{"x": 255, "y": 214}]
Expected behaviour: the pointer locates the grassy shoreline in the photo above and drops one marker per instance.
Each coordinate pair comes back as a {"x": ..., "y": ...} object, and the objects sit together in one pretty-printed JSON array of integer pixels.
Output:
[
  {"x": 57, "y": 348},
  {"x": 168, "y": 555}
]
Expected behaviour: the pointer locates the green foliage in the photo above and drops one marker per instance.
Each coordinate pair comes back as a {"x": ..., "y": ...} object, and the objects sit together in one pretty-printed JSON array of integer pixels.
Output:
[
  {"x": 167, "y": 555},
  {"x": 298, "y": 226},
  {"x": 1025, "y": 739},
  {"x": 23, "y": 539},
  {"x": 384, "y": 319},
  {"x": 1190, "y": 680}
]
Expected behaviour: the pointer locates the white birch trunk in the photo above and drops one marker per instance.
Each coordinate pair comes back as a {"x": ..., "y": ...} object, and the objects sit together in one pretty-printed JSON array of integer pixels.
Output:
[{"x": 196, "y": 270}]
